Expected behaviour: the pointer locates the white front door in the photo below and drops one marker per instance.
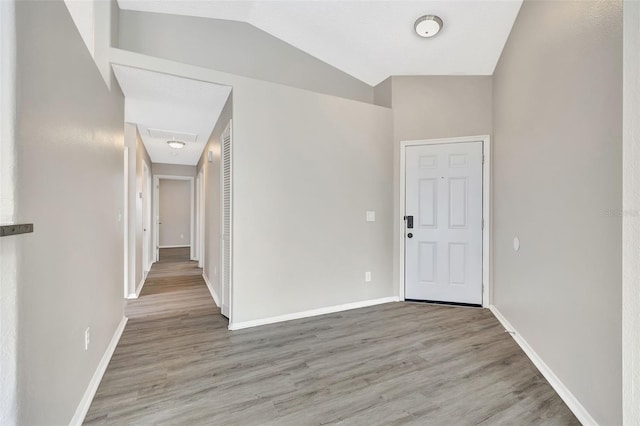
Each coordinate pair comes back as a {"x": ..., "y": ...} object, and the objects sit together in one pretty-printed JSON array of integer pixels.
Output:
[{"x": 443, "y": 226}]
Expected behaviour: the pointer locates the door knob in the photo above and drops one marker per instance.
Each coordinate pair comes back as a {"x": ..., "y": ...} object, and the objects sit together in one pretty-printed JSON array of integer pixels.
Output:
[{"x": 410, "y": 235}]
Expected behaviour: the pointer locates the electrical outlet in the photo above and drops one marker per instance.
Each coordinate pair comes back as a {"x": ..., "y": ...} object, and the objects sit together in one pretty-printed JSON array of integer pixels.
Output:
[
  {"x": 182, "y": 236},
  {"x": 87, "y": 338},
  {"x": 367, "y": 277}
]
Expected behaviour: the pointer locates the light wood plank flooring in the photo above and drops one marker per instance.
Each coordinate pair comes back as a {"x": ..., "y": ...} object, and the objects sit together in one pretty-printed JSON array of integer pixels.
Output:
[{"x": 397, "y": 363}]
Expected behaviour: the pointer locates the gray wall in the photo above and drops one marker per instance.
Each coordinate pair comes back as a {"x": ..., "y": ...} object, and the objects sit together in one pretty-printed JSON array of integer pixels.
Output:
[
  {"x": 307, "y": 167},
  {"x": 212, "y": 206},
  {"x": 173, "y": 169},
  {"x": 70, "y": 185},
  {"x": 631, "y": 220},
  {"x": 9, "y": 246},
  {"x": 436, "y": 107},
  {"x": 175, "y": 212},
  {"x": 382, "y": 93},
  {"x": 557, "y": 186},
  {"x": 429, "y": 108},
  {"x": 234, "y": 47}
]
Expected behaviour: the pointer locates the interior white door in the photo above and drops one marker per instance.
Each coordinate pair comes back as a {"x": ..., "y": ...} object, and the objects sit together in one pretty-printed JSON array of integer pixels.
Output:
[
  {"x": 443, "y": 226},
  {"x": 227, "y": 223}
]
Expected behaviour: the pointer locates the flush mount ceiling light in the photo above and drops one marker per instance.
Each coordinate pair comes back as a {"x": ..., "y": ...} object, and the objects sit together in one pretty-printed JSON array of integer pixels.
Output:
[
  {"x": 176, "y": 144},
  {"x": 428, "y": 25}
]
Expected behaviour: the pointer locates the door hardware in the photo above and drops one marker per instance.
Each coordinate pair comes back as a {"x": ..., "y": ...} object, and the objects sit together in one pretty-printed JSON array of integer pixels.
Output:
[{"x": 410, "y": 222}]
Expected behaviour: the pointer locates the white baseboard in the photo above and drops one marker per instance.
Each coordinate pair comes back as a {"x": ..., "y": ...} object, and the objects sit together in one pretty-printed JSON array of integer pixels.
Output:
[
  {"x": 572, "y": 402},
  {"x": 215, "y": 296},
  {"x": 87, "y": 398},
  {"x": 178, "y": 246},
  {"x": 312, "y": 313},
  {"x": 139, "y": 287}
]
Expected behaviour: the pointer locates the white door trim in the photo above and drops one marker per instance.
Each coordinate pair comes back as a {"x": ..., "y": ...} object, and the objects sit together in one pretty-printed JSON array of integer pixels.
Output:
[
  {"x": 486, "y": 208},
  {"x": 156, "y": 212},
  {"x": 149, "y": 204},
  {"x": 201, "y": 219},
  {"x": 125, "y": 224},
  {"x": 146, "y": 231}
]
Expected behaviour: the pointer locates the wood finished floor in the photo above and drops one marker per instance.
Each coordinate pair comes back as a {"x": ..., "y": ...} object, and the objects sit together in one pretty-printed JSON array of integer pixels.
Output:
[{"x": 398, "y": 363}]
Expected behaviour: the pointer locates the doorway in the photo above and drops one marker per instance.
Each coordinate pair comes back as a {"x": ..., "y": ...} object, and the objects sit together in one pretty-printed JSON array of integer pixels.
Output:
[
  {"x": 173, "y": 213},
  {"x": 444, "y": 235}
]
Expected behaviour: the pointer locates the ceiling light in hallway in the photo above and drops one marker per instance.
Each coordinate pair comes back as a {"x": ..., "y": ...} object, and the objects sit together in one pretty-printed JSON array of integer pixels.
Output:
[
  {"x": 428, "y": 25},
  {"x": 176, "y": 144}
]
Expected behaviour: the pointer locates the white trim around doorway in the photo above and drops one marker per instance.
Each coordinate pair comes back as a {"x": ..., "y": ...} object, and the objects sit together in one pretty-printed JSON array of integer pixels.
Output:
[{"x": 486, "y": 208}]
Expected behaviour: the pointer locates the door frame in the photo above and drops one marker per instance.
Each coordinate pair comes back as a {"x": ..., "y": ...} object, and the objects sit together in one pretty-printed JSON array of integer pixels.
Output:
[
  {"x": 486, "y": 208},
  {"x": 156, "y": 212},
  {"x": 125, "y": 224},
  {"x": 147, "y": 219},
  {"x": 200, "y": 218}
]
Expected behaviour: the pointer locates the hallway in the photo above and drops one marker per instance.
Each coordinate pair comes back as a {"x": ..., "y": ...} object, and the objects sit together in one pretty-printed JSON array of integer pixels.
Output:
[{"x": 177, "y": 363}]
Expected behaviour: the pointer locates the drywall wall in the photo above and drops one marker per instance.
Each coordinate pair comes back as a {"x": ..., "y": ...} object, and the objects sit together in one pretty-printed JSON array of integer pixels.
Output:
[
  {"x": 557, "y": 156},
  {"x": 212, "y": 205},
  {"x": 382, "y": 93},
  {"x": 173, "y": 169},
  {"x": 130, "y": 142},
  {"x": 631, "y": 217},
  {"x": 234, "y": 47},
  {"x": 97, "y": 23},
  {"x": 9, "y": 246},
  {"x": 431, "y": 108},
  {"x": 175, "y": 213},
  {"x": 70, "y": 185},
  {"x": 437, "y": 107},
  {"x": 307, "y": 167}
]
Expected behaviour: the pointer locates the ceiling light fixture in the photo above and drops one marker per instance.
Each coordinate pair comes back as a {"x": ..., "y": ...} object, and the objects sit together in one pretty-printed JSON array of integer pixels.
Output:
[
  {"x": 176, "y": 144},
  {"x": 428, "y": 25}
]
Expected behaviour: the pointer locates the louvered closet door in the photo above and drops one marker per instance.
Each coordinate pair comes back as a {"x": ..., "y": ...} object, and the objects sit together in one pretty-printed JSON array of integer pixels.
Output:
[{"x": 227, "y": 199}]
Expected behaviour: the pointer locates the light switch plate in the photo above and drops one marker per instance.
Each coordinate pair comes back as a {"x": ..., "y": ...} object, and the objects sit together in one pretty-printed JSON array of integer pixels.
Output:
[
  {"x": 367, "y": 277},
  {"x": 371, "y": 216}
]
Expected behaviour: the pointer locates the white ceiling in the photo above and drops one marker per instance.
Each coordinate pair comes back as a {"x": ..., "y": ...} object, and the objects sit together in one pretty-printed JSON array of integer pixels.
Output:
[
  {"x": 173, "y": 104},
  {"x": 370, "y": 40}
]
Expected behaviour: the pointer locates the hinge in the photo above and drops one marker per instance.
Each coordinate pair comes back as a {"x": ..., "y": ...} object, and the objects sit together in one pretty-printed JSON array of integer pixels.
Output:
[
  {"x": 482, "y": 158},
  {"x": 483, "y": 223}
]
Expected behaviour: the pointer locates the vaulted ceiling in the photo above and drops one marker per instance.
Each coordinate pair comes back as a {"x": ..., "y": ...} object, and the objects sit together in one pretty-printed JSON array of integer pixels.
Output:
[{"x": 370, "y": 40}]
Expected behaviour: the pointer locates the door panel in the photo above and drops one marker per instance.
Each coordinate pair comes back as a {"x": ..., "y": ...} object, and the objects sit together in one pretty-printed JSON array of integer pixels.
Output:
[
  {"x": 227, "y": 220},
  {"x": 443, "y": 256}
]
